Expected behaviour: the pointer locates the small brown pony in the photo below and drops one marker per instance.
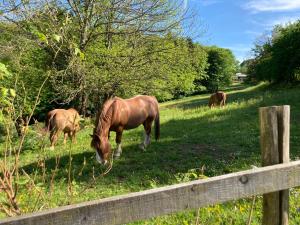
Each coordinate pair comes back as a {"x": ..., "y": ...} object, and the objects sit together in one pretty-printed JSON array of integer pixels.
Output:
[
  {"x": 218, "y": 98},
  {"x": 59, "y": 120},
  {"x": 119, "y": 114}
]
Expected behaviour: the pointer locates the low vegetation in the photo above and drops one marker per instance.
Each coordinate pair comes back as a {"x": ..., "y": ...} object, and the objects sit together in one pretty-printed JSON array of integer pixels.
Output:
[{"x": 195, "y": 143}]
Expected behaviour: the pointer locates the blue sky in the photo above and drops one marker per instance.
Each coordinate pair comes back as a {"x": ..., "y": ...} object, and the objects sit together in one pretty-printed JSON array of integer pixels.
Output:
[{"x": 237, "y": 24}]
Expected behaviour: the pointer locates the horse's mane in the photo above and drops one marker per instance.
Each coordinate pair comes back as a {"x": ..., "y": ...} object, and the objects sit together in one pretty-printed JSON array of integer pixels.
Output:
[{"x": 102, "y": 115}]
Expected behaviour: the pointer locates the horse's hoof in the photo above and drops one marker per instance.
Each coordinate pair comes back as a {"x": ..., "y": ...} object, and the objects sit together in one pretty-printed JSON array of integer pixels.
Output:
[
  {"x": 51, "y": 148},
  {"x": 117, "y": 156},
  {"x": 142, "y": 147}
]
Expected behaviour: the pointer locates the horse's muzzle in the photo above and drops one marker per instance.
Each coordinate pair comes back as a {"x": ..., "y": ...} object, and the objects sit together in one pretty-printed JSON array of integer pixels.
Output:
[{"x": 100, "y": 160}]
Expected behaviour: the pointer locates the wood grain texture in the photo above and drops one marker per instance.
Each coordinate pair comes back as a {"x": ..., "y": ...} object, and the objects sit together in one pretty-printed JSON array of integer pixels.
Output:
[
  {"x": 165, "y": 200},
  {"x": 283, "y": 117},
  {"x": 270, "y": 156},
  {"x": 269, "y": 135},
  {"x": 275, "y": 137}
]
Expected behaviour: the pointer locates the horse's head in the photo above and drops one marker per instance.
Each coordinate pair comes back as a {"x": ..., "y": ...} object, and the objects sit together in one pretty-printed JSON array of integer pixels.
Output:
[
  {"x": 102, "y": 147},
  {"x": 77, "y": 127}
]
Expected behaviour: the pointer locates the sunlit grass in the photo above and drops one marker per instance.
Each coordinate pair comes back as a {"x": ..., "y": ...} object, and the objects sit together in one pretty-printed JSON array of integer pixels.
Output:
[{"x": 195, "y": 142}]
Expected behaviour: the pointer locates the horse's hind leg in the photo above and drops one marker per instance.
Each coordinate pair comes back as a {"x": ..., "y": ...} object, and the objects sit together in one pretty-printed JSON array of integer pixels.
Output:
[
  {"x": 66, "y": 134},
  {"x": 222, "y": 104},
  {"x": 118, "y": 151},
  {"x": 147, "y": 127},
  {"x": 53, "y": 138},
  {"x": 73, "y": 137}
]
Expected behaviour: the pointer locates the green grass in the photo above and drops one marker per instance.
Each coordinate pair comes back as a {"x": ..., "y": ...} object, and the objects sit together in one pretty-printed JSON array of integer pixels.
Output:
[{"x": 196, "y": 142}]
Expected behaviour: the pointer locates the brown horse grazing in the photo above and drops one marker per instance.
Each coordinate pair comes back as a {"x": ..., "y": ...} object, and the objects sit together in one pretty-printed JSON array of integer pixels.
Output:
[
  {"x": 59, "y": 120},
  {"x": 218, "y": 98},
  {"x": 119, "y": 114}
]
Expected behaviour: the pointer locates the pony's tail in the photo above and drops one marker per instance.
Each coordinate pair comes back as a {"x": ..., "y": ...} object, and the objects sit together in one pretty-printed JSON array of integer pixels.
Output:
[
  {"x": 48, "y": 124},
  {"x": 157, "y": 126}
]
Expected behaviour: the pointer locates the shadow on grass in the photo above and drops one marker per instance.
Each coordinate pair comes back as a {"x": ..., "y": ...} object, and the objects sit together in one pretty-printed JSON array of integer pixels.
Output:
[
  {"x": 215, "y": 142},
  {"x": 206, "y": 144}
]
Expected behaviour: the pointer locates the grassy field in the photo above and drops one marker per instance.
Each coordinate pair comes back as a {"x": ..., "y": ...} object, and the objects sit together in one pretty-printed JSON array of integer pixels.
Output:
[{"x": 195, "y": 143}]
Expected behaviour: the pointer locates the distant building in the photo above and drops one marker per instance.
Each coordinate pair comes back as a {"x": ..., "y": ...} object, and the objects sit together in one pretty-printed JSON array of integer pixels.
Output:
[{"x": 240, "y": 76}]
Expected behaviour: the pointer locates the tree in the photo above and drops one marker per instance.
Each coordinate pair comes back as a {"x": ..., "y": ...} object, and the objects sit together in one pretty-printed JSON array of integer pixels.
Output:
[
  {"x": 28, "y": 64},
  {"x": 123, "y": 31},
  {"x": 278, "y": 59},
  {"x": 221, "y": 68},
  {"x": 245, "y": 66}
]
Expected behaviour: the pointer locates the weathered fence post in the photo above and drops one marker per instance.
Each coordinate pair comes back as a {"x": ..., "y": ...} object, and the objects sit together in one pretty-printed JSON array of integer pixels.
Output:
[
  {"x": 274, "y": 128},
  {"x": 283, "y": 114}
]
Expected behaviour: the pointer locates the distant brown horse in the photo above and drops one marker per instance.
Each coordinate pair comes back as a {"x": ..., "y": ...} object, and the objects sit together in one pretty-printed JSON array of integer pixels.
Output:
[
  {"x": 59, "y": 120},
  {"x": 119, "y": 114},
  {"x": 218, "y": 98}
]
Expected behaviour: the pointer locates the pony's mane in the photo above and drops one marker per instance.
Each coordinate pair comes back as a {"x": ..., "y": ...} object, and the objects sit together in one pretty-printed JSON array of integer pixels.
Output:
[{"x": 101, "y": 115}]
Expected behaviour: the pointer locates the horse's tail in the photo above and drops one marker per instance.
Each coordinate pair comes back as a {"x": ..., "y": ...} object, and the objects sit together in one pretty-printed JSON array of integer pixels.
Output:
[
  {"x": 157, "y": 126},
  {"x": 48, "y": 122},
  {"x": 210, "y": 102}
]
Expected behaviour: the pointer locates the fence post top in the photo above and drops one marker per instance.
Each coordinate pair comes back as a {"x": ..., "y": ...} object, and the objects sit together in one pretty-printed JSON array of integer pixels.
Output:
[{"x": 274, "y": 108}]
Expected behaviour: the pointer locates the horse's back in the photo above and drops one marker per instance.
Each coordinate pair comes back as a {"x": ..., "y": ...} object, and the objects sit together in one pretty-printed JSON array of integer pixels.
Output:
[
  {"x": 134, "y": 111},
  {"x": 142, "y": 101},
  {"x": 62, "y": 119},
  {"x": 221, "y": 96},
  {"x": 218, "y": 96},
  {"x": 143, "y": 104}
]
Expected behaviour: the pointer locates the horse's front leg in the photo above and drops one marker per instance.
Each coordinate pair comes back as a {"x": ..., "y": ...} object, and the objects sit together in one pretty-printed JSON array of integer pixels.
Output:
[{"x": 118, "y": 151}]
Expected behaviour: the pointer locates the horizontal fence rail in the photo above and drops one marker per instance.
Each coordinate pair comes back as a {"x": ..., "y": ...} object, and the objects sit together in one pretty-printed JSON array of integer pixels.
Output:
[{"x": 161, "y": 201}]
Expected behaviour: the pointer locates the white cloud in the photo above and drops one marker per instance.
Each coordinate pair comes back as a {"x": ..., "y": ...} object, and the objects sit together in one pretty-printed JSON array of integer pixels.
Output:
[
  {"x": 282, "y": 21},
  {"x": 185, "y": 4},
  {"x": 269, "y": 24},
  {"x": 272, "y": 5}
]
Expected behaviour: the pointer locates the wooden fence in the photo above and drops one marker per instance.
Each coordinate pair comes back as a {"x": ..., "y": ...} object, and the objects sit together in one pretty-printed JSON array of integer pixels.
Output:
[{"x": 161, "y": 201}]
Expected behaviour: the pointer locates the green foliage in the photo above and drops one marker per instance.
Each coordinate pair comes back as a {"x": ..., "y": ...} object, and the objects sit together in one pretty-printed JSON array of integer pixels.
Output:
[
  {"x": 7, "y": 95},
  {"x": 3, "y": 71},
  {"x": 221, "y": 68},
  {"x": 180, "y": 67},
  {"x": 278, "y": 59},
  {"x": 245, "y": 66},
  {"x": 28, "y": 63},
  {"x": 84, "y": 65}
]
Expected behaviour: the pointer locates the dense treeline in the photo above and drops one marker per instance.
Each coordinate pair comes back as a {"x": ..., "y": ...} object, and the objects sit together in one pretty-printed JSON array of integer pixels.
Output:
[
  {"x": 277, "y": 59},
  {"x": 81, "y": 52}
]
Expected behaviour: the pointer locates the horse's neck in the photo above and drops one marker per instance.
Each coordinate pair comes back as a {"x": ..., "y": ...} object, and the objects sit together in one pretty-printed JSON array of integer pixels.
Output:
[{"x": 104, "y": 122}]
